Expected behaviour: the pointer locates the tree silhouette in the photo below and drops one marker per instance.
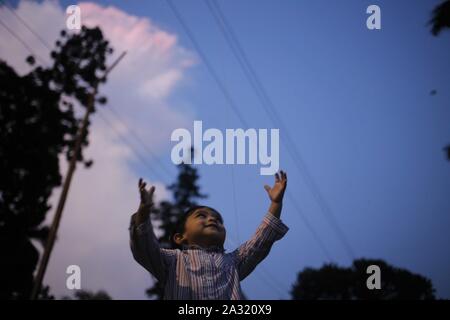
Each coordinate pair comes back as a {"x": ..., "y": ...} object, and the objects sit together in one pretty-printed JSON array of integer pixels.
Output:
[
  {"x": 332, "y": 282},
  {"x": 185, "y": 192},
  {"x": 89, "y": 295},
  {"x": 440, "y": 17},
  {"x": 38, "y": 124},
  {"x": 439, "y": 21}
]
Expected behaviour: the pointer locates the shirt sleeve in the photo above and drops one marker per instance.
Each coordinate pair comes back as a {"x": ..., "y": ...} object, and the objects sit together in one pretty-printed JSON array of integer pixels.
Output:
[
  {"x": 249, "y": 254},
  {"x": 147, "y": 251}
]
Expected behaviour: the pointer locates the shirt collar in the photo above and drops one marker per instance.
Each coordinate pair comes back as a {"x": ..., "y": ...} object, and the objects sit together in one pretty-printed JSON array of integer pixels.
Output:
[{"x": 197, "y": 247}]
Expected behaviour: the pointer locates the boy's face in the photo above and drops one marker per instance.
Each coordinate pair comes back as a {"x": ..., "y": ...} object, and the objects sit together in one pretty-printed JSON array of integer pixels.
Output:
[{"x": 204, "y": 227}]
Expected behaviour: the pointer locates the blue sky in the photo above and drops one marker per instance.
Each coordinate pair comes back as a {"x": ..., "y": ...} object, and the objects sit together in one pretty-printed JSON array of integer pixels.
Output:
[{"x": 357, "y": 104}]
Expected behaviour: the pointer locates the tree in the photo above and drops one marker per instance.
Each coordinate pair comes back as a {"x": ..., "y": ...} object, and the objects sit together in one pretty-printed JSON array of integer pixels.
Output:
[
  {"x": 332, "y": 282},
  {"x": 38, "y": 124},
  {"x": 89, "y": 295},
  {"x": 185, "y": 192},
  {"x": 440, "y": 18}
]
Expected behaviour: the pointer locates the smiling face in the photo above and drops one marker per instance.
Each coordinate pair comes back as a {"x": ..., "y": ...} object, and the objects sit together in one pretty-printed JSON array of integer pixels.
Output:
[{"x": 203, "y": 227}]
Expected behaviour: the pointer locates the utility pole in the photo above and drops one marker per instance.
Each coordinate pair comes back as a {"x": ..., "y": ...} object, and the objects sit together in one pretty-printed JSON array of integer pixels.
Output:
[{"x": 62, "y": 198}]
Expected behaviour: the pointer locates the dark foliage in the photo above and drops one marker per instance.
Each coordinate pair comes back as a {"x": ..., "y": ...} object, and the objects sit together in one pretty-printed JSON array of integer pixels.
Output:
[{"x": 38, "y": 124}]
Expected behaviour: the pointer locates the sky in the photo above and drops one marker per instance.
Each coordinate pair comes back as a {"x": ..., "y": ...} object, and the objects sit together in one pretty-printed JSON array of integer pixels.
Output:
[{"x": 355, "y": 102}]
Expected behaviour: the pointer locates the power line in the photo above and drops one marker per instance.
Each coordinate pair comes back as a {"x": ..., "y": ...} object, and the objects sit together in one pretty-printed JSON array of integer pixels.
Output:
[
  {"x": 207, "y": 63},
  {"x": 227, "y": 96},
  {"x": 136, "y": 152},
  {"x": 310, "y": 228},
  {"x": 139, "y": 140},
  {"x": 291, "y": 198},
  {"x": 18, "y": 38},
  {"x": 65, "y": 190},
  {"x": 109, "y": 123},
  {"x": 236, "y": 217},
  {"x": 8, "y": 6},
  {"x": 270, "y": 109},
  {"x": 263, "y": 274},
  {"x": 269, "y": 280}
]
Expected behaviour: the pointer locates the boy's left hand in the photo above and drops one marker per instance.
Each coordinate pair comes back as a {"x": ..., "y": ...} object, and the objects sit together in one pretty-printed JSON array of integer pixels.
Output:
[{"x": 276, "y": 193}]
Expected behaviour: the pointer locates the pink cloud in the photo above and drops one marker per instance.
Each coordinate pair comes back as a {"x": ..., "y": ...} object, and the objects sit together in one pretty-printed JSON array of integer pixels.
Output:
[{"x": 93, "y": 231}]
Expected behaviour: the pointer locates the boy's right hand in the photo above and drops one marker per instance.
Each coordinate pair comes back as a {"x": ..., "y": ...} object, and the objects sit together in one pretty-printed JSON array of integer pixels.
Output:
[{"x": 146, "y": 203}]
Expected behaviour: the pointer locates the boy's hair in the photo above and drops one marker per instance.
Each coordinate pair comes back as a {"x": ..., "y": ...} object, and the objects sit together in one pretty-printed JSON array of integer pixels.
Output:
[{"x": 181, "y": 223}]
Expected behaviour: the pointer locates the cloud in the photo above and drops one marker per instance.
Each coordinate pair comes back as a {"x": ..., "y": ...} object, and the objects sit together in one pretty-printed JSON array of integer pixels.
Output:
[
  {"x": 93, "y": 233},
  {"x": 154, "y": 64},
  {"x": 94, "y": 229},
  {"x": 33, "y": 14}
]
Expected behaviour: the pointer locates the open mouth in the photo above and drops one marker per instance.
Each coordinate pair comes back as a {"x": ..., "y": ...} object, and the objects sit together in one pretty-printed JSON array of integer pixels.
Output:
[{"x": 213, "y": 226}]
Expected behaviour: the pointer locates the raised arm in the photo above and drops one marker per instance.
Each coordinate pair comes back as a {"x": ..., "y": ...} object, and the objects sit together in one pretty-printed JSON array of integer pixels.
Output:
[
  {"x": 276, "y": 193},
  {"x": 253, "y": 251},
  {"x": 143, "y": 242}
]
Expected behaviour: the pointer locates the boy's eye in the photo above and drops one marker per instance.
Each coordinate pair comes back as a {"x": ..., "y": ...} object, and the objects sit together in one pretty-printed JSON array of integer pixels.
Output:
[{"x": 204, "y": 215}]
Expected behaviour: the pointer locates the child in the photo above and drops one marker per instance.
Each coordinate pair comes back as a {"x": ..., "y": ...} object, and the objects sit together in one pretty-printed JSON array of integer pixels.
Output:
[{"x": 199, "y": 268}]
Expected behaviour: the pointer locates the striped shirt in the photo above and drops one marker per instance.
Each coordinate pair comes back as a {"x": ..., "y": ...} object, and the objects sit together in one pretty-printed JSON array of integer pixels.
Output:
[{"x": 196, "y": 273}]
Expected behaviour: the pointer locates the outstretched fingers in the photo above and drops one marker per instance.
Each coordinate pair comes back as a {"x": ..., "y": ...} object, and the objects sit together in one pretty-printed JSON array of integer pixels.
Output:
[
  {"x": 283, "y": 175},
  {"x": 277, "y": 177},
  {"x": 143, "y": 192},
  {"x": 141, "y": 184},
  {"x": 151, "y": 191}
]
